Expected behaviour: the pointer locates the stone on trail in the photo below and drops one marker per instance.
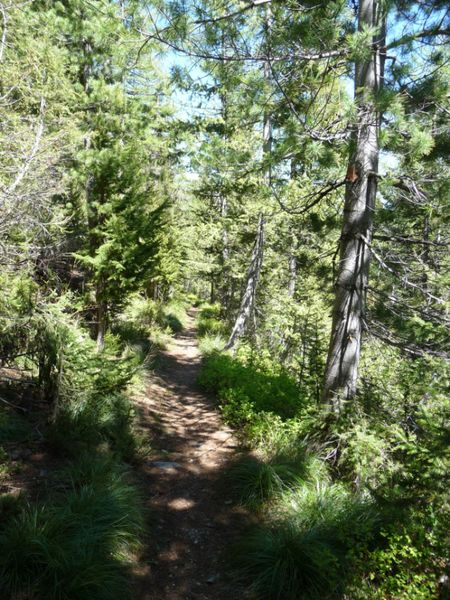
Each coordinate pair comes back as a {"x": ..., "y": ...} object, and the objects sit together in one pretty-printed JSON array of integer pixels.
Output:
[{"x": 165, "y": 464}]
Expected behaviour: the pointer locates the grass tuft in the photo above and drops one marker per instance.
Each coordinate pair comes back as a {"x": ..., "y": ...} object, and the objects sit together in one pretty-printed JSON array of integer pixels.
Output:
[
  {"x": 302, "y": 552},
  {"x": 211, "y": 344},
  {"x": 76, "y": 546}
]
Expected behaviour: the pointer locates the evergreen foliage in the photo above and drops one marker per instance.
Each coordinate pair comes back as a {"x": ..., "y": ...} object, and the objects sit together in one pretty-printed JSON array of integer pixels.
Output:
[{"x": 249, "y": 180}]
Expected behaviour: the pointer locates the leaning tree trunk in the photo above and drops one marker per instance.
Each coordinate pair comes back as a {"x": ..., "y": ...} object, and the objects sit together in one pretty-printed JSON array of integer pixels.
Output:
[
  {"x": 246, "y": 310},
  {"x": 248, "y": 299},
  {"x": 350, "y": 294}
]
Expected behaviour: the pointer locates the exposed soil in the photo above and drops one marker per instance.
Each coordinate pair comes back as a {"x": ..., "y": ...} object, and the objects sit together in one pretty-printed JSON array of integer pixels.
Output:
[
  {"x": 29, "y": 464},
  {"x": 192, "y": 519}
]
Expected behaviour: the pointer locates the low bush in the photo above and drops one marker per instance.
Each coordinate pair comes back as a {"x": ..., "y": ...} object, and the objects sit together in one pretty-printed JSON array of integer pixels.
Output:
[
  {"x": 379, "y": 533},
  {"x": 209, "y": 311},
  {"x": 246, "y": 387},
  {"x": 92, "y": 407},
  {"x": 255, "y": 482},
  {"x": 77, "y": 541},
  {"x": 13, "y": 427},
  {"x": 91, "y": 422},
  {"x": 149, "y": 320},
  {"x": 173, "y": 316},
  {"x": 211, "y": 344},
  {"x": 283, "y": 465},
  {"x": 209, "y": 324}
]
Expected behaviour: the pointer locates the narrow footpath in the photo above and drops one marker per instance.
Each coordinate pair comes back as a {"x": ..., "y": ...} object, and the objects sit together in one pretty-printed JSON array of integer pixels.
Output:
[{"x": 192, "y": 519}]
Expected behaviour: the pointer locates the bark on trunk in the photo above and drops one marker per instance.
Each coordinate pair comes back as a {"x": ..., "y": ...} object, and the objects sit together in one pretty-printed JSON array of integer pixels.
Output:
[
  {"x": 292, "y": 283},
  {"x": 350, "y": 295},
  {"x": 102, "y": 317},
  {"x": 248, "y": 299},
  {"x": 224, "y": 284}
]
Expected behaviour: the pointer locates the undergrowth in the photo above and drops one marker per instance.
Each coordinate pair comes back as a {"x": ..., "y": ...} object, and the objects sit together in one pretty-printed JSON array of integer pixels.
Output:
[
  {"x": 211, "y": 331},
  {"x": 77, "y": 538},
  {"x": 358, "y": 513},
  {"x": 151, "y": 322},
  {"x": 78, "y": 543},
  {"x": 247, "y": 386}
]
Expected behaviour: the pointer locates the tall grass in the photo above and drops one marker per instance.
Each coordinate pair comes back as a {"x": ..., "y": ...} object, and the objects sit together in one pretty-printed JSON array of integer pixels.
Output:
[
  {"x": 75, "y": 546},
  {"x": 13, "y": 427},
  {"x": 77, "y": 541},
  {"x": 211, "y": 330},
  {"x": 91, "y": 422},
  {"x": 211, "y": 344},
  {"x": 254, "y": 481},
  {"x": 173, "y": 315},
  {"x": 302, "y": 550}
]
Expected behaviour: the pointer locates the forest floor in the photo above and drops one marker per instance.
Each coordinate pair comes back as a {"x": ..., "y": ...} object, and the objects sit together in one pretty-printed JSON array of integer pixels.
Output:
[{"x": 191, "y": 514}]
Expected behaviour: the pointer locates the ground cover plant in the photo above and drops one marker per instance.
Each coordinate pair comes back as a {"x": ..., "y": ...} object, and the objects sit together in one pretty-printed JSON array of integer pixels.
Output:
[
  {"x": 77, "y": 533},
  {"x": 350, "y": 516}
]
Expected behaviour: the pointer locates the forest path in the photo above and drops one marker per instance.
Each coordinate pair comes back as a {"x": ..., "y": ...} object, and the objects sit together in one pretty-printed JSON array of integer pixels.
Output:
[{"x": 192, "y": 518}]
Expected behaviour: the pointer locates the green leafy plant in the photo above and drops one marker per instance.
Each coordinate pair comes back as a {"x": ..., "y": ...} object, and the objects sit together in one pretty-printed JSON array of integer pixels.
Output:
[{"x": 247, "y": 387}]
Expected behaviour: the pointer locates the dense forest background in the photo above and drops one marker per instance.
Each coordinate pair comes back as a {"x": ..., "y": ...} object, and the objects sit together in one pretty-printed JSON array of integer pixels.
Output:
[{"x": 282, "y": 167}]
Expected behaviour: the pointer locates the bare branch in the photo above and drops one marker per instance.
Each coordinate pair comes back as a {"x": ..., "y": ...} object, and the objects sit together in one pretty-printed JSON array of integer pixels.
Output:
[
  {"x": 4, "y": 32},
  {"x": 37, "y": 140},
  {"x": 316, "y": 197},
  {"x": 434, "y": 31},
  {"x": 403, "y": 279},
  {"x": 381, "y": 332},
  {"x": 404, "y": 240}
]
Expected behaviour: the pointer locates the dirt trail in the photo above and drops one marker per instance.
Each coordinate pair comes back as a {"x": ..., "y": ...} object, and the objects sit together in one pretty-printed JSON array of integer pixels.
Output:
[{"x": 192, "y": 519}]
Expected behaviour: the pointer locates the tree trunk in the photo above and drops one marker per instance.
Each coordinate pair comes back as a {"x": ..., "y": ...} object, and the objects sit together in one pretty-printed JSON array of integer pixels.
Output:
[
  {"x": 224, "y": 284},
  {"x": 292, "y": 264},
  {"x": 350, "y": 289},
  {"x": 102, "y": 317},
  {"x": 248, "y": 299}
]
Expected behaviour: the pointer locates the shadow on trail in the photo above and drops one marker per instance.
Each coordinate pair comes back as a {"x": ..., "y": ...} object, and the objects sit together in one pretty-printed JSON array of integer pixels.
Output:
[{"x": 191, "y": 512}]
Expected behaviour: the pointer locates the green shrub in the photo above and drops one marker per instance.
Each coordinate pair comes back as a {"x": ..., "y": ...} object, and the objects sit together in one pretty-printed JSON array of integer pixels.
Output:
[
  {"x": 407, "y": 566},
  {"x": 10, "y": 505},
  {"x": 211, "y": 326},
  {"x": 13, "y": 427},
  {"x": 76, "y": 546},
  {"x": 283, "y": 562},
  {"x": 285, "y": 463},
  {"x": 173, "y": 316},
  {"x": 209, "y": 323},
  {"x": 210, "y": 311},
  {"x": 92, "y": 407},
  {"x": 193, "y": 300},
  {"x": 144, "y": 317},
  {"x": 91, "y": 422},
  {"x": 247, "y": 387},
  {"x": 255, "y": 481}
]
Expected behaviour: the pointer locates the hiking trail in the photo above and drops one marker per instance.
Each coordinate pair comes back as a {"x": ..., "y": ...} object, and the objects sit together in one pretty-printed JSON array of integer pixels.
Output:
[{"x": 191, "y": 514}]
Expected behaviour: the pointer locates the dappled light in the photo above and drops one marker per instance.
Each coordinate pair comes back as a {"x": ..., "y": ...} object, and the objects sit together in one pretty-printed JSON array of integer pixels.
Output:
[
  {"x": 188, "y": 498},
  {"x": 224, "y": 299}
]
